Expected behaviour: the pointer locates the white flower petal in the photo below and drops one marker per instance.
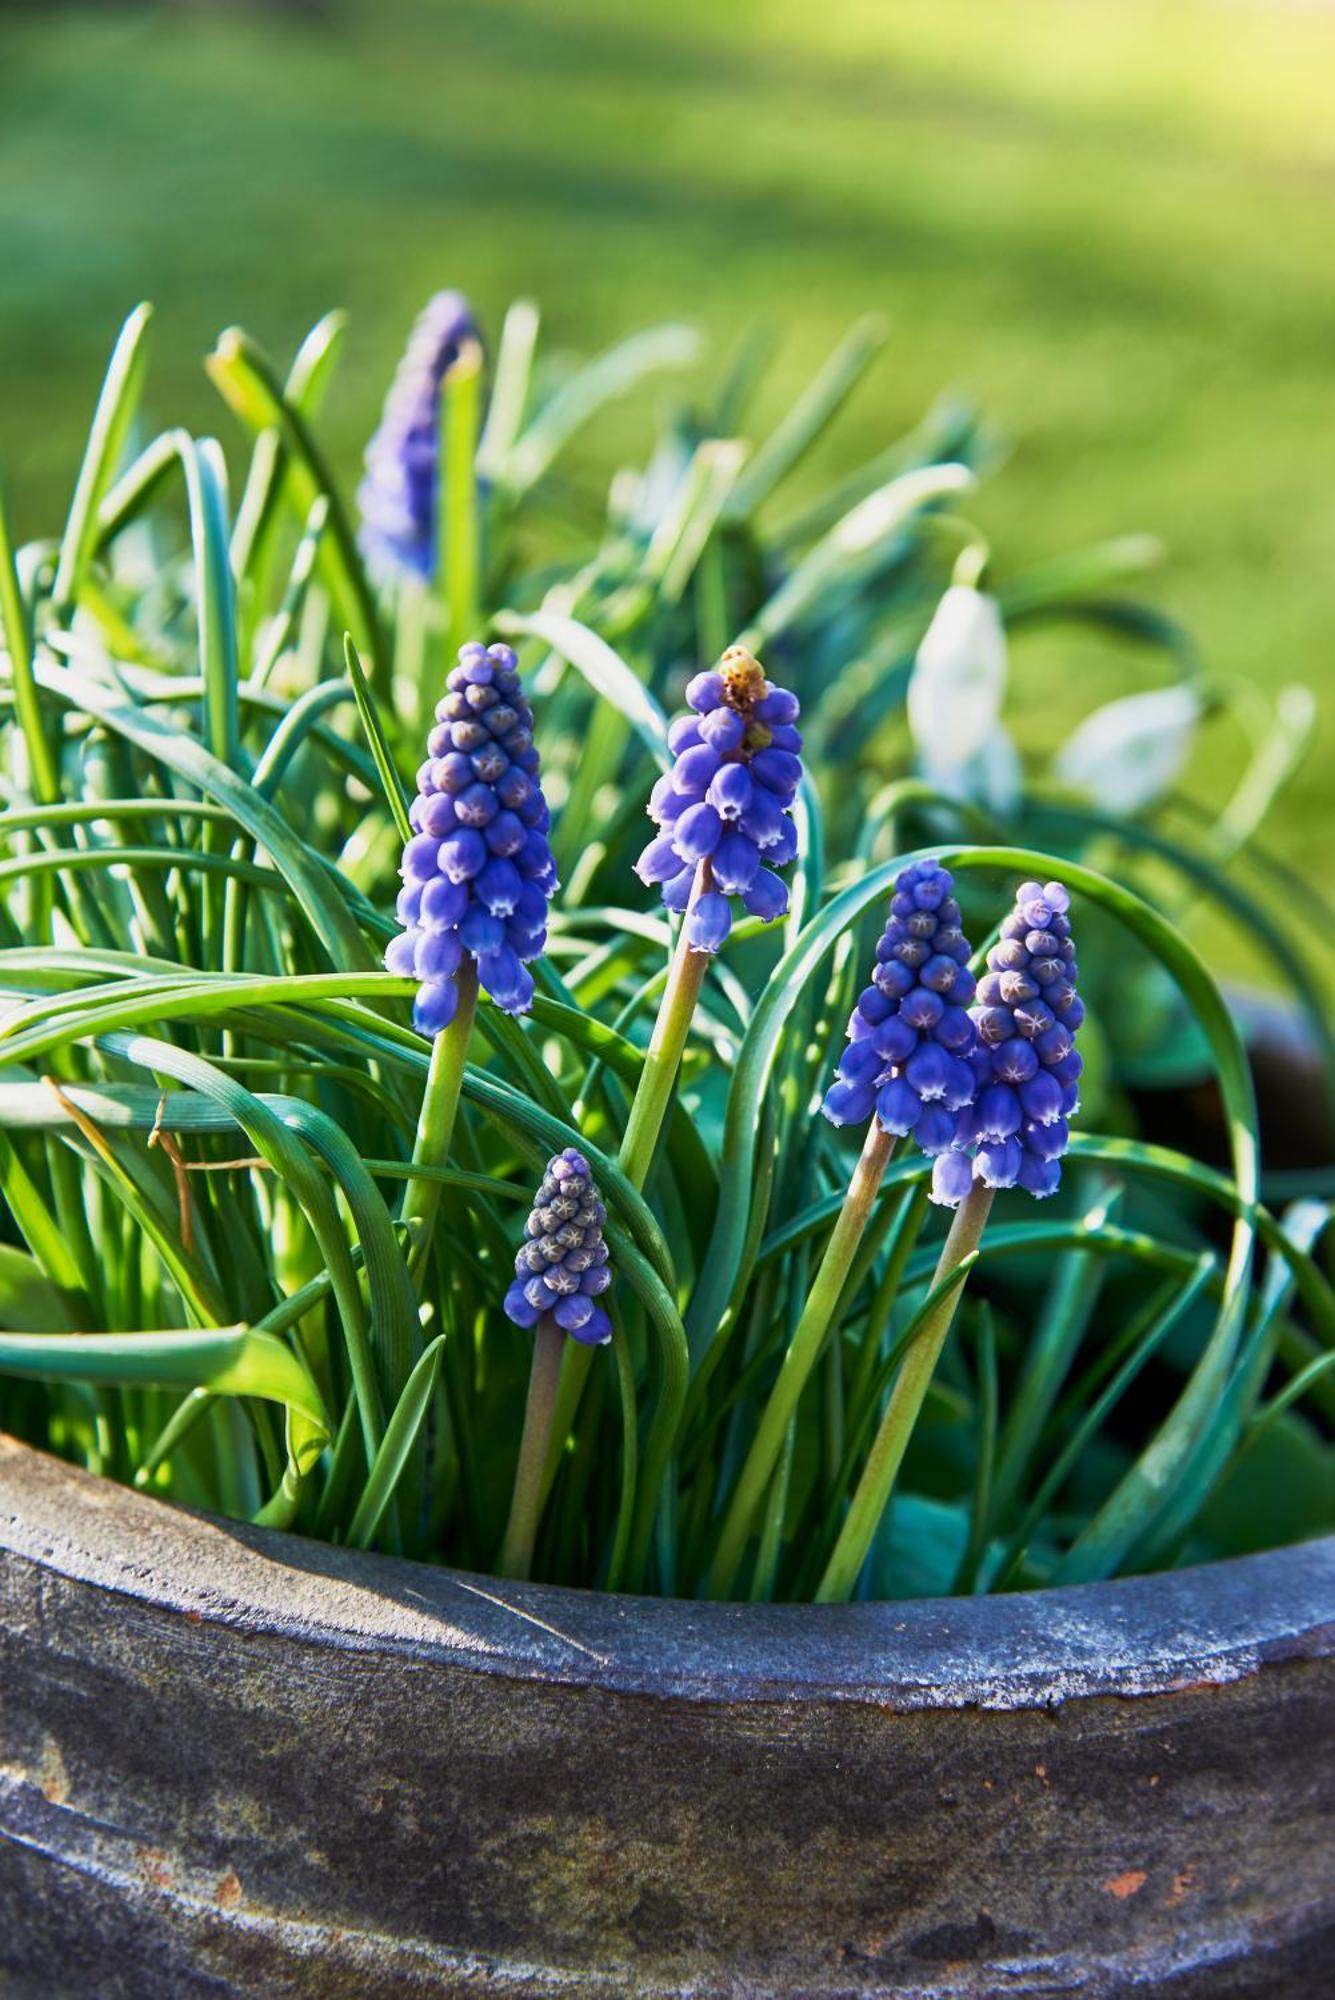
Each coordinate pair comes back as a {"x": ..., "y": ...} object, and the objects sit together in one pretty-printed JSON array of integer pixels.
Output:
[
  {"x": 1126, "y": 755},
  {"x": 958, "y": 680}
]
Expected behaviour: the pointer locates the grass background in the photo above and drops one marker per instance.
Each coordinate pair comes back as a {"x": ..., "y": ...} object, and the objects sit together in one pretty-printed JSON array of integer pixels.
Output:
[{"x": 1111, "y": 220}]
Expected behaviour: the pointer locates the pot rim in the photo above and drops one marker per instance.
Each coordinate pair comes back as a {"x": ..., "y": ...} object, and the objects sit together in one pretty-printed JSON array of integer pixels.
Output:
[{"x": 1144, "y": 1635}]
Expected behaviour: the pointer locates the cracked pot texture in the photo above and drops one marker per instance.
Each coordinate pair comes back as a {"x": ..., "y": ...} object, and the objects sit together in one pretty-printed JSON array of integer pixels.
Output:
[{"x": 234, "y": 1762}]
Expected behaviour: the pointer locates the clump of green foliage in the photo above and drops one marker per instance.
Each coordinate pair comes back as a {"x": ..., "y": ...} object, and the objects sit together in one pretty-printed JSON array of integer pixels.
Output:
[{"x": 213, "y": 1282}]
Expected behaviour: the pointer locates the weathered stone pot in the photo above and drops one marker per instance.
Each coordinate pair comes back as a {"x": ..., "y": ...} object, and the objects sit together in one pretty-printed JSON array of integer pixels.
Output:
[{"x": 234, "y": 1762}]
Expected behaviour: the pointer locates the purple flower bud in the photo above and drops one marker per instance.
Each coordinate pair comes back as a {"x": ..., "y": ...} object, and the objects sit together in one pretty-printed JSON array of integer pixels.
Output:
[
  {"x": 1047, "y": 1142},
  {"x": 438, "y": 816},
  {"x": 665, "y": 802},
  {"x": 860, "y": 1060},
  {"x": 735, "y": 864},
  {"x": 783, "y": 848},
  {"x": 660, "y": 861},
  {"x": 480, "y": 931},
  {"x": 955, "y": 1031},
  {"x": 696, "y": 834},
  {"x": 562, "y": 1265},
  {"x": 723, "y": 730},
  {"x": 695, "y": 770},
  {"x": 777, "y": 707},
  {"x": 419, "y": 858},
  {"x": 893, "y": 1039},
  {"x": 996, "y": 1115},
  {"x": 1039, "y": 1177},
  {"x": 928, "y": 1069},
  {"x": 763, "y": 818},
  {"x": 684, "y": 734},
  {"x": 677, "y": 891},
  {"x": 952, "y": 1177},
  {"x": 509, "y": 983},
  {"x": 705, "y": 691},
  {"x": 732, "y": 791},
  {"x": 443, "y": 903},
  {"x": 778, "y": 770},
  {"x": 517, "y": 1308},
  {"x": 767, "y": 898},
  {"x": 998, "y": 1163},
  {"x": 435, "y": 1006},
  {"x": 708, "y": 921},
  {"x": 922, "y": 1009},
  {"x": 400, "y": 954},
  {"x": 462, "y": 855},
  {"x": 898, "y": 1105},
  {"x": 437, "y": 955},
  {"x": 935, "y": 1129},
  {"x": 499, "y": 885}
]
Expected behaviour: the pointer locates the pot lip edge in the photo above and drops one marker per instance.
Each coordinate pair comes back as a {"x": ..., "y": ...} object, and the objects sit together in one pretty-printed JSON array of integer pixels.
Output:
[{"x": 1177, "y": 1631}]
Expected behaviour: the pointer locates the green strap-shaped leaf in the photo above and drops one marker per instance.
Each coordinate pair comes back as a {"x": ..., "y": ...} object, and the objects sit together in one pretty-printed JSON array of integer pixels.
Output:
[
  {"x": 604, "y": 670},
  {"x": 111, "y": 425},
  {"x": 337, "y": 933},
  {"x": 396, "y": 1448}
]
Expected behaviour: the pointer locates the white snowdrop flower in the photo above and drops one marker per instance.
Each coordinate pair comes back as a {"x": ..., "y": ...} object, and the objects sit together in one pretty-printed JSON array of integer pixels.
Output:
[
  {"x": 1128, "y": 754},
  {"x": 958, "y": 681}
]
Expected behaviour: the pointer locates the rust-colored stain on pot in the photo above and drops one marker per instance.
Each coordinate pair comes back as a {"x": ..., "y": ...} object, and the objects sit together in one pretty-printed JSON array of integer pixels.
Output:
[
  {"x": 1129, "y": 1884},
  {"x": 227, "y": 1895}
]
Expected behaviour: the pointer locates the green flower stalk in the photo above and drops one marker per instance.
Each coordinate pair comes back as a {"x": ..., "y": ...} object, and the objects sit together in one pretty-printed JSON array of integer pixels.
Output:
[
  {"x": 906, "y": 1401},
  {"x": 1027, "y": 1067},
  {"x": 804, "y": 1351},
  {"x": 908, "y": 1039}
]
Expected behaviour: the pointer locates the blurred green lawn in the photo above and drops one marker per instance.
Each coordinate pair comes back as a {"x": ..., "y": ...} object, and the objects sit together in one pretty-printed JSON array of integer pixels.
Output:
[{"x": 1112, "y": 220}]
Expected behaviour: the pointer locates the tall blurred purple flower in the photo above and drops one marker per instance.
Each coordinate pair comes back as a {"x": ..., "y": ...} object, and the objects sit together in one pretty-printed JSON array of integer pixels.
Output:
[
  {"x": 1027, "y": 1014},
  {"x": 398, "y": 495},
  {"x": 911, "y": 1036},
  {"x": 727, "y": 801},
  {"x": 478, "y": 873},
  {"x": 563, "y": 1267}
]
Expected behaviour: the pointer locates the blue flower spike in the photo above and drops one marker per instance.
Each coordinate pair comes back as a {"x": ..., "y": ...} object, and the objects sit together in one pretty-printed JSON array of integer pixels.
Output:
[
  {"x": 911, "y": 1035},
  {"x": 478, "y": 873},
  {"x": 563, "y": 1266},
  {"x": 1027, "y": 1013},
  {"x": 724, "y": 810},
  {"x": 399, "y": 494}
]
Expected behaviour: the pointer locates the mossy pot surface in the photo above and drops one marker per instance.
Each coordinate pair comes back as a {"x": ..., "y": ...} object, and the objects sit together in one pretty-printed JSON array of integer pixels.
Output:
[{"x": 234, "y": 1762}]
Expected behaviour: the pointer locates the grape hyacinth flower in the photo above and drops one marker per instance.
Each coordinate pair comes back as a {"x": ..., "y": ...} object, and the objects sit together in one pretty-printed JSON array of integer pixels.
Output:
[
  {"x": 562, "y": 1268},
  {"x": 724, "y": 810},
  {"x": 478, "y": 873},
  {"x": 561, "y": 1273},
  {"x": 398, "y": 496},
  {"x": 1026, "y": 1014},
  {"x": 910, "y": 1036}
]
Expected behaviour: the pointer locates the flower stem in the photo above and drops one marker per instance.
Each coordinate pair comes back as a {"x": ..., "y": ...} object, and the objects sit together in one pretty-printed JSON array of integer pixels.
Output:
[
  {"x": 516, "y": 1557},
  {"x": 906, "y": 1399},
  {"x": 440, "y": 1103},
  {"x": 653, "y": 1097},
  {"x": 662, "y": 1059},
  {"x": 803, "y": 1352}
]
